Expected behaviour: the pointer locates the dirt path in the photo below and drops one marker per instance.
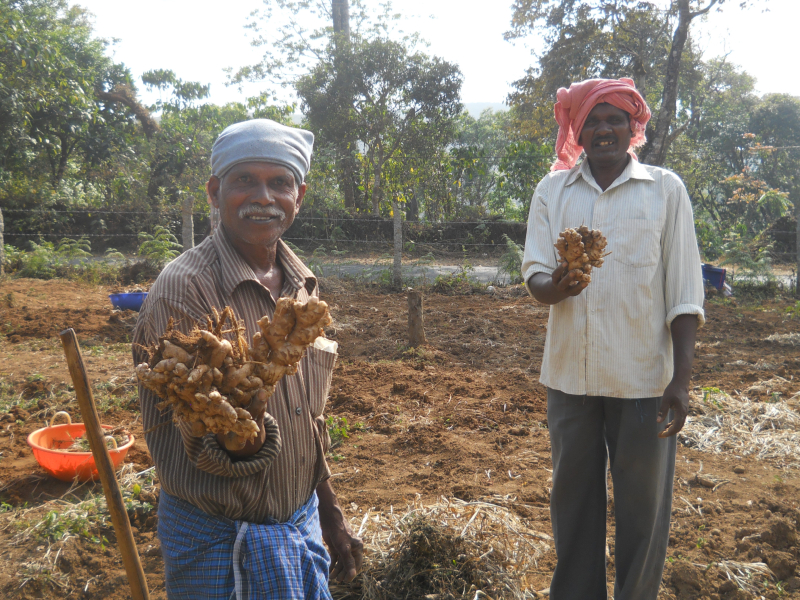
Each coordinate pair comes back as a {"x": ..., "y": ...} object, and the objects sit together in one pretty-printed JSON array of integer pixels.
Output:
[{"x": 463, "y": 417}]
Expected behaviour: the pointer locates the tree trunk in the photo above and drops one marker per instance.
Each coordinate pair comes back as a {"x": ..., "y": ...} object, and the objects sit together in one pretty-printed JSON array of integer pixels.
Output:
[
  {"x": 340, "y": 10},
  {"x": 187, "y": 233},
  {"x": 377, "y": 191},
  {"x": 416, "y": 321},
  {"x": 655, "y": 151},
  {"x": 347, "y": 174},
  {"x": 397, "y": 277},
  {"x": 2, "y": 244},
  {"x": 62, "y": 159},
  {"x": 412, "y": 206}
]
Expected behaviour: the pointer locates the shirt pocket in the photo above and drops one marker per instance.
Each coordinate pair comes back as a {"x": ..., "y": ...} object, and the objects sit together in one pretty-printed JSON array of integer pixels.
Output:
[
  {"x": 635, "y": 242},
  {"x": 318, "y": 377}
]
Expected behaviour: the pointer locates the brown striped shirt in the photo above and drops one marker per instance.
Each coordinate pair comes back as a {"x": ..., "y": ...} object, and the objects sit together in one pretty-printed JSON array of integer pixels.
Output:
[{"x": 280, "y": 478}]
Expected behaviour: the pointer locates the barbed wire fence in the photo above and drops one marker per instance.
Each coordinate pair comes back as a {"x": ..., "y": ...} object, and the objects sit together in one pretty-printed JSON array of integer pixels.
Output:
[{"x": 335, "y": 232}]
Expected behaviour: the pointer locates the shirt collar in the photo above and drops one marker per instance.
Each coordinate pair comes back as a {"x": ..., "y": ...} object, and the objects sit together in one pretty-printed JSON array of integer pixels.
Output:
[
  {"x": 633, "y": 170},
  {"x": 235, "y": 269}
]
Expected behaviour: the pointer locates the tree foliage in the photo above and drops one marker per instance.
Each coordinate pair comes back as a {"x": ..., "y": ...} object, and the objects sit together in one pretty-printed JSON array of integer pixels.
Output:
[
  {"x": 648, "y": 41},
  {"x": 365, "y": 89}
]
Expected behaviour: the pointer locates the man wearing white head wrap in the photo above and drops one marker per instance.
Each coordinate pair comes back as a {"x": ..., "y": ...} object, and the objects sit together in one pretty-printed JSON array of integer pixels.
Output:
[{"x": 248, "y": 522}]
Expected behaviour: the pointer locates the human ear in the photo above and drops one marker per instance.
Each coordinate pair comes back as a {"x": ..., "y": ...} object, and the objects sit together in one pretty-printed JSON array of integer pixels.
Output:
[
  {"x": 301, "y": 192},
  {"x": 212, "y": 191}
]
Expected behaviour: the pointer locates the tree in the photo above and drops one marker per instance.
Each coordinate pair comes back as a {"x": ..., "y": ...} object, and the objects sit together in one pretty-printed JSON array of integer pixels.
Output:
[
  {"x": 524, "y": 165},
  {"x": 401, "y": 101},
  {"x": 775, "y": 122},
  {"x": 477, "y": 152},
  {"x": 180, "y": 148},
  {"x": 371, "y": 97},
  {"x": 597, "y": 38},
  {"x": 50, "y": 67}
]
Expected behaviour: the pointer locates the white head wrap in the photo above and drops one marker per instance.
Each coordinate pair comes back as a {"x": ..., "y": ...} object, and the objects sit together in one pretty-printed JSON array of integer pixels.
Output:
[{"x": 262, "y": 140}]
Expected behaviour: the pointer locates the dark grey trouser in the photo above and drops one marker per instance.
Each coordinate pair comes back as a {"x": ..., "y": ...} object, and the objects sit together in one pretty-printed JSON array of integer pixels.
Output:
[{"x": 585, "y": 433}]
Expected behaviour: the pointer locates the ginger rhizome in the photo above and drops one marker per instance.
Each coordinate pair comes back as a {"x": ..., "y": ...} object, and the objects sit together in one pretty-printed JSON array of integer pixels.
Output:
[
  {"x": 221, "y": 385},
  {"x": 582, "y": 249}
]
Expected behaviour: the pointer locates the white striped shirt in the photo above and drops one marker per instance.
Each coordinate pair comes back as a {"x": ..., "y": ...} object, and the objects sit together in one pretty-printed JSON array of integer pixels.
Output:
[
  {"x": 280, "y": 478},
  {"x": 613, "y": 339}
]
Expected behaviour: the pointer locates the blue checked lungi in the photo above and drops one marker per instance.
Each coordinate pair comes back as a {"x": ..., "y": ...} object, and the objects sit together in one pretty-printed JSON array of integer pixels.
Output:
[{"x": 214, "y": 558}]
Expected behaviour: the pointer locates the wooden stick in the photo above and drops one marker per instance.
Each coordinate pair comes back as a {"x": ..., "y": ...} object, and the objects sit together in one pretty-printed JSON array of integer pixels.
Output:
[
  {"x": 96, "y": 436},
  {"x": 416, "y": 321}
]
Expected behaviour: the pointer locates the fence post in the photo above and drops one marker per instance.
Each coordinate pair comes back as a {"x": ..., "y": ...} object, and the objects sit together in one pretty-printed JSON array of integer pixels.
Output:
[
  {"x": 416, "y": 321},
  {"x": 398, "y": 244},
  {"x": 2, "y": 243},
  {"x": 187, "y": 233},
  {"x": 797, "y": 248}
]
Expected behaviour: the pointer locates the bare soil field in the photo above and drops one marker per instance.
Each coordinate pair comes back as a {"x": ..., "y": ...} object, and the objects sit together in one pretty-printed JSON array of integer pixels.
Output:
[{"x": 463, "y": 417}]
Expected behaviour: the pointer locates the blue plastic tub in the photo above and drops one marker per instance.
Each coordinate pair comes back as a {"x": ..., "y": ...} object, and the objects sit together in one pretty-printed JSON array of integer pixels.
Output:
[
  {"x": 714, "y": 275},
  {"x": 132, "y": 301}
]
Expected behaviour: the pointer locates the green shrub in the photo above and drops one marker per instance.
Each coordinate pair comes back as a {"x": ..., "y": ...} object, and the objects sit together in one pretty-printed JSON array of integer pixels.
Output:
[
  {"x": 511, "y": 261},
  {"x": 160, "y": 248}
]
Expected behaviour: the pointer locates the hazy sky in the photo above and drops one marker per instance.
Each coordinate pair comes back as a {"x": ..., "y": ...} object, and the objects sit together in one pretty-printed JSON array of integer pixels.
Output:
[{"x": 198, "y": 38}]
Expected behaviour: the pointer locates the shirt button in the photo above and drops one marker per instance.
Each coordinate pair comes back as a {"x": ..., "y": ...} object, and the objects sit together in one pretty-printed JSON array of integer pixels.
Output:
[{"x": 298, "y": 410}]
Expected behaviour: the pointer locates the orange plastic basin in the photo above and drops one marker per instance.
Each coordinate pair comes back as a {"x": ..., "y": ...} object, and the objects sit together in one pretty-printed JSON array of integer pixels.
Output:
[{"x": 66, "y": 466}]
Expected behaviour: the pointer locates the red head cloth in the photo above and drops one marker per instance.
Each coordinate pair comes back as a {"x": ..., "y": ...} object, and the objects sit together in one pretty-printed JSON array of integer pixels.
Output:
[{"x": 575, "y": 104}]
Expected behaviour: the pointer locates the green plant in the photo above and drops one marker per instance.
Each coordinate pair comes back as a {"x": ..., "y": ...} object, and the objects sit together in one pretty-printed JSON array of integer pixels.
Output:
[
  {"x": 70, "y": 250},
  {"x": 38, "y": 263},
  {"x": 511, "y": 260},
  {"x": 750, "y": 264},
  {"x": 793, "y": 311},
  {"x": 460, "y": 281},
  {"x": 315, "y": 262},
  {"x": 160, "y": 248},
  {"x": 295, "y": 249},
  {"x": 338, "y": 429},
  {"x": 709, "y": 396},
  {"x": 419, "y": 354}
]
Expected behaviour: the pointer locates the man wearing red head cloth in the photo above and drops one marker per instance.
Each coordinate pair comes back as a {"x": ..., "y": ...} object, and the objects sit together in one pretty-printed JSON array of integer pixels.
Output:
[{"x": 619, "y": 349}]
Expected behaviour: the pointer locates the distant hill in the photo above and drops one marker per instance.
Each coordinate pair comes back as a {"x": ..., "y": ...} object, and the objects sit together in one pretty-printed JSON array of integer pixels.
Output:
[{"x": 476, "y": 108}]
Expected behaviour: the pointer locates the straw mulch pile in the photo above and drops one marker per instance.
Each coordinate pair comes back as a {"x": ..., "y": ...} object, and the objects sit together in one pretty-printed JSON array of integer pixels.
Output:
[
  {"x": 785, "y": 339},
  {"x": 451, "y": 550},
  {"x": 764, "y": 430}
]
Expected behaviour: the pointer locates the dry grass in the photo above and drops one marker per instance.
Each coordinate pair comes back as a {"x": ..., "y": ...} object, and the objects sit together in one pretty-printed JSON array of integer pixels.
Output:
[
  {"x": 449, "y": 550},
  {"x": 50, "y": 526},
  {"x": 744, "y": 574},
  {"x": 785, "y": 339},
  {"x": 764, "y": 430}
]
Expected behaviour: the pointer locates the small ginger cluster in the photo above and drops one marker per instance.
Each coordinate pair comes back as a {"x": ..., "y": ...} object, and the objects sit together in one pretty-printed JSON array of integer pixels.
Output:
[
  {"x": 221, "y": 386},
  {"x": 582, "y": 249}
]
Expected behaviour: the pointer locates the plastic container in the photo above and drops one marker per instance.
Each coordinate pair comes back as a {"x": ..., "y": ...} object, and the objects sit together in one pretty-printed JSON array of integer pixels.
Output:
[
  {"x": 714, "y": 275},
  {"x": 49, "y": 448},
  {"x": 131, "y": 301}
]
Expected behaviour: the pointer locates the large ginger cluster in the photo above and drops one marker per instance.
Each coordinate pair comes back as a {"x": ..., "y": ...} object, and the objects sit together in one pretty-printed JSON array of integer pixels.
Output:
[
  {"x": 582, "y": 249},
  {"x": 221, "y": 386}
]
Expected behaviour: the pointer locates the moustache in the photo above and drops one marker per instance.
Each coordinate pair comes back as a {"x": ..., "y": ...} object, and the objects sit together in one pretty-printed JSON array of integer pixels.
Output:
[{"x": 255, "y": 210}]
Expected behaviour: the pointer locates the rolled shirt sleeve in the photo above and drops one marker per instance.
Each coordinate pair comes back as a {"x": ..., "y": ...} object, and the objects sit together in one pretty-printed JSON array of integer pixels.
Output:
[{"x": 683, "y": 289}]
